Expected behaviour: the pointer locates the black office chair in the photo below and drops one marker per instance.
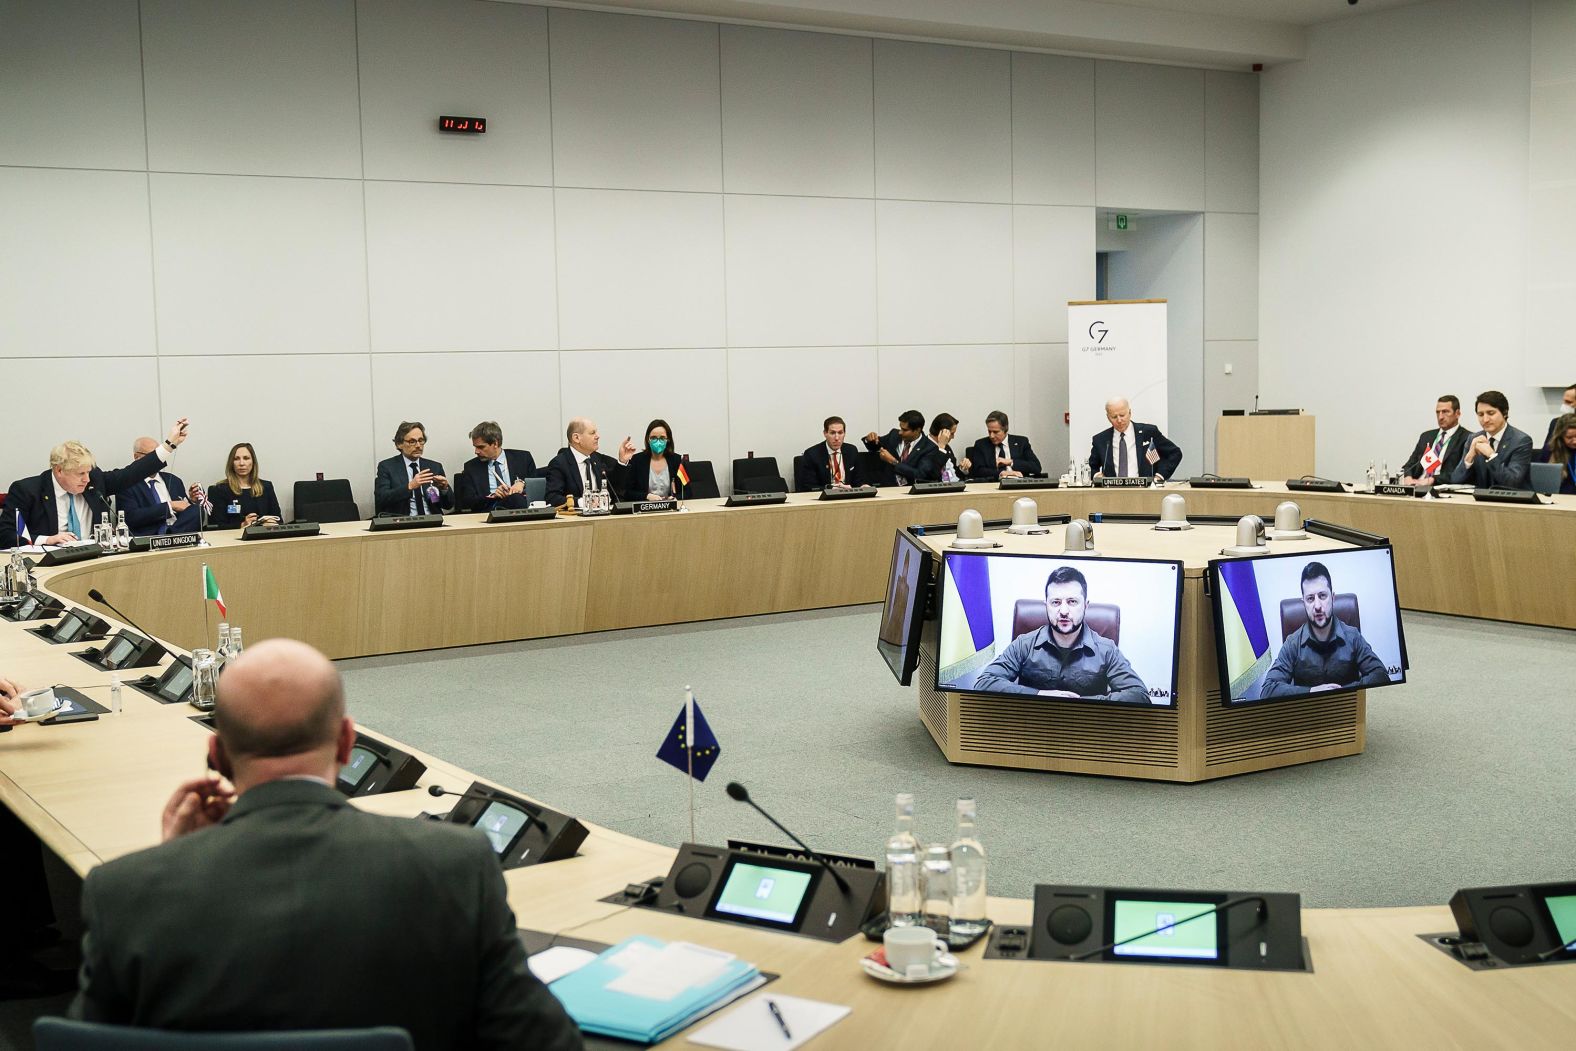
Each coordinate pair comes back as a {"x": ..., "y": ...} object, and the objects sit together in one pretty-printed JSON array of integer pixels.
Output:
[
  {"x": 758, "y": 474},
  {"x": 871, "y": 469},
  {"x": 702, "y": 481},
  {"x": 327, "y": 501},
  {"x": 801, "y": 484},
  {"x": 62, "y": 1034}
]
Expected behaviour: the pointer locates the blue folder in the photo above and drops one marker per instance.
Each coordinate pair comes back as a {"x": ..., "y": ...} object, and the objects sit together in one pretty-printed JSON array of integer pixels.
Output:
[{"x": 597, "y": 1009}]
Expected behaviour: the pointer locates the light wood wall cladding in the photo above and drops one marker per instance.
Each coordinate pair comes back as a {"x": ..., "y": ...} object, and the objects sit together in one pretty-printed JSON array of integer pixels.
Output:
[{"x": 1264, "y": 446}]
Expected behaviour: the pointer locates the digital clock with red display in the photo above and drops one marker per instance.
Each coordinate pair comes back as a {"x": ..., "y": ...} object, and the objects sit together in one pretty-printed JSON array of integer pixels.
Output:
[{"x": 465, "y": 125}]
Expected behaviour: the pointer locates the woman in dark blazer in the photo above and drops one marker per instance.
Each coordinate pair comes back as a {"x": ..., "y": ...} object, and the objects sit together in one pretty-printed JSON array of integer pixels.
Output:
[
  {"x": 641, "y": 482},
  {"x": 243, "y": 498},
  {"x": 941, "y": 465},
  {"x": 1562, "y": 450}
]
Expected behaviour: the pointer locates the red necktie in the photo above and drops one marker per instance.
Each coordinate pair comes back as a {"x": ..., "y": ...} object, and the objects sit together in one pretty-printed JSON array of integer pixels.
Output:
[{"x": 837, "y": 467}]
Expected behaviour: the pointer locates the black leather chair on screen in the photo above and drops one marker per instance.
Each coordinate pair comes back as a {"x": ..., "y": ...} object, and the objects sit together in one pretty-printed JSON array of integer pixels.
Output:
[{"x": 327, "y": 501}]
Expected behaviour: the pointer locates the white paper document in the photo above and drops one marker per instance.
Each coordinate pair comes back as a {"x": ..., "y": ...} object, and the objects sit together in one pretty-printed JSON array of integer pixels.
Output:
[
  {"x": 666, "y": 973},
  {"x": 554, "y": 962},
  {"x": 751, "y": 1026}
]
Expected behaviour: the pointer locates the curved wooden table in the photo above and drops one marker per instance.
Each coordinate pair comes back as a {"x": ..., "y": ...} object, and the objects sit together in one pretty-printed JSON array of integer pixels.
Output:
[{"x": 93, "y": 791}]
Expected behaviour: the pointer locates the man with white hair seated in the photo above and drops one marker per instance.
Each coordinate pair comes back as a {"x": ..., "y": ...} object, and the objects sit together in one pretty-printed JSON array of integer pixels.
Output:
[{"x": 1132, "y": 450}]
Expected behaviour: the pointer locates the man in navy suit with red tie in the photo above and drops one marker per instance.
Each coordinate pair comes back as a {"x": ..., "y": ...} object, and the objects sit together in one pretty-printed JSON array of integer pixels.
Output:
[
  {"x": 832, "y": 462},
  {"x": 902, "y": 449},
  {"x": 64, "y": 502},
  {"x": 158, "y": 505}
]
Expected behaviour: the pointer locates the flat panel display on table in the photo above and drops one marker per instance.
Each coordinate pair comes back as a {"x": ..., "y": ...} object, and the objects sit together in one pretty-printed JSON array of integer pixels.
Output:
[
  {"x": 1289, "y": 626},
  {"x": 1090, "y": 629},
  {"x": 903, "y": 612}
]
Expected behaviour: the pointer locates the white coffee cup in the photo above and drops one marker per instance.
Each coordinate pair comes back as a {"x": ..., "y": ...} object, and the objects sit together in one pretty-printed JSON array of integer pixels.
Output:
[
  {"x": 912, "y": 951},
  {"x": 37, "y": 702}
]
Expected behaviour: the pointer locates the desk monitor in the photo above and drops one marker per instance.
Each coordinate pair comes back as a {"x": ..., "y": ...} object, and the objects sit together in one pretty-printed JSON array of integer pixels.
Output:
[
  {"x": 771, "y": 894},
  {"x": 502, "y": 823},
  {"x": 1101, "y": 630},
  {"x": 375, "y": 767},
  {"x": 118, "y": 649},
  {"x": 175, "y": 685},
  {"x": 1185, "y": 931},
  {"x": 75, "y": 625},
  {"x": 1295, "y": 625},
  {"x": 903, "y": 613}
]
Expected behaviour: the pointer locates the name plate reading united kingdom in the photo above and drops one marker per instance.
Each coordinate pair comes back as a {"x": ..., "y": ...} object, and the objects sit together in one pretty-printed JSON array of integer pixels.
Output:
[
  {"x": 172, "y": 542},
  {"x": 1136, "y": 482}
]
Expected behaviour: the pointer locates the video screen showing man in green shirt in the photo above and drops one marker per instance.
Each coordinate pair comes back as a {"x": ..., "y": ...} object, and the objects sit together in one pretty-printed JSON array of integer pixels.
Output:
[{"x": 1325, "y": 653}]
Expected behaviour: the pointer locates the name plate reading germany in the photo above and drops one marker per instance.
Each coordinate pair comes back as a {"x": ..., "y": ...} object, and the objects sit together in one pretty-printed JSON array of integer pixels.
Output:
[
  {"x": 644, "y": 507},
  {"x": 172, "y": 542},
  {"x": 1136, "y": 482}
]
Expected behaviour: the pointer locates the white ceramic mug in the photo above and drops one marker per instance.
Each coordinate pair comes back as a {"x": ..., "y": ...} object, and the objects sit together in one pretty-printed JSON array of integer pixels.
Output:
[
  {"x": 912, "y": 951},
  {"x": 38, "y": 702}
]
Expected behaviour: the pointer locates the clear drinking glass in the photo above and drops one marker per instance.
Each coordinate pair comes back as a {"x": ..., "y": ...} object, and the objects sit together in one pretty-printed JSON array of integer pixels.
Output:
[{"x": 205, "y": 679}]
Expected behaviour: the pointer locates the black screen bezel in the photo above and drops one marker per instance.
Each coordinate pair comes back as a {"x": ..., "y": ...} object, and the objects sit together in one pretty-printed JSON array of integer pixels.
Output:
[
  {"x": 378, "y": 759},
  {"x": 73, "y": 615},
  {"x": 126, "y": 635},
  {"x": 1218, "y": 615},
  {"x": 162, "y": 686},
  {"x": 905, "y": 661},
  {"x": 811, "y": 869},
  {"x": 490, "y": 800},
  {"x": 1176, "y": 631},
  {"x": 1543, "y": 893}
]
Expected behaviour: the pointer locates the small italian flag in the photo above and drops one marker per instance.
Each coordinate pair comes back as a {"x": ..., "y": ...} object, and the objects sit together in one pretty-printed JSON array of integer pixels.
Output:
[{"x": 210, "y": 589}]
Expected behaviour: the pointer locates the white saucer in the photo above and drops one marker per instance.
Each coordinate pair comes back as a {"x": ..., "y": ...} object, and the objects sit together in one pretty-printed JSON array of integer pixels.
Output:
[
  {"x": 944, "y": 967},
  {"x": 60, "y": 706}
]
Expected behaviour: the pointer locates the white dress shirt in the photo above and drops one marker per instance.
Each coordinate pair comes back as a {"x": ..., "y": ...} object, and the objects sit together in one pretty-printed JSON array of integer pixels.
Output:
[{"x": 580, "y": 469}]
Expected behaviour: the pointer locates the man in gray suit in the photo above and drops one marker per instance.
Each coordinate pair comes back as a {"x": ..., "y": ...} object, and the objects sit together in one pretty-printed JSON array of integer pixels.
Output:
[
  {"x": 281, "y": 906},
  {"x": 1499, "y": 455}
]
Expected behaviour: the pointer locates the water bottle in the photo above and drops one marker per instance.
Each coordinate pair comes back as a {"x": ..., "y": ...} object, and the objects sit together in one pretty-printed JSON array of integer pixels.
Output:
[
  {"x": 968, "y": 876},
  {"x": 1373, "y": 474},
  {"x": 936, "y": 887},
  {"x": 114, "y": 696},
  {"x": 122, "y": 532},
  {"x": 103, "y": 532},
  {"x": 222, "y": 653},
  {"x": 902, "y": 871},
  {"x": 235, "y": 643},
  {"x": 205, "y": 679}
]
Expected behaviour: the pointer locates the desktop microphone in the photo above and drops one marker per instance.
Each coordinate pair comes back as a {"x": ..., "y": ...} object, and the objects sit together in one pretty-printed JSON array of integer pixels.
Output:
[
  {"x": 742, "y": 794},
  {"x": 98, "y": 596},
  {"x": 439, "y": 790}
]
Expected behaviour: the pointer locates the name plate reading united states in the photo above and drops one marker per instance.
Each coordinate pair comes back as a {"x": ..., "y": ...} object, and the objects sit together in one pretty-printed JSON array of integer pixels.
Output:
[
  {"x": 644, "y": 507},
  {"x": 1136, "y": 482},
  {"x": 172, "y": 542}
]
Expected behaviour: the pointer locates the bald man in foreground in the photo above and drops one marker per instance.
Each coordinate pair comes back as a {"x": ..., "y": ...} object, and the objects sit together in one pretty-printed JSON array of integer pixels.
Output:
[
  {"x": 278, "y": 905},
  {"x": 1132, "y": 450}
]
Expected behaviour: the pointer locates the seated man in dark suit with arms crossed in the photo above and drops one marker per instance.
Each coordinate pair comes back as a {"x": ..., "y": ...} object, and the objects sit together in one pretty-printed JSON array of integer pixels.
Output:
[
  {"x": 1127, "y": 449},
  {"x": 1064, "y": 658},
  {"x": 832, "y": 462},
  {"x": 281, "y": 906},
  {"x": 1499, "y": 456},
  {"x": 409, "y": 484},
  {"x": 64, "y": 502},
  {"x": 902, "y": 449},
  {"x": 161, "y": 503},
  {"x": 495, "y": 476},
  {"x": 999, "y": 454},
  {"x": 1325, "y": 653},
  {"x": 579, "y": 464},
  {"x": 1441, "y": 447}
]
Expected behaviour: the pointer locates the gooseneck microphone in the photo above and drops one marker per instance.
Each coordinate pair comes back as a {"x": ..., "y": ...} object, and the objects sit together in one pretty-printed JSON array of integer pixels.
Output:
[
  {"x": 439, "y": 790},
  {"x": 98, "y": 596},
  {"x": 739, "y": 792}
]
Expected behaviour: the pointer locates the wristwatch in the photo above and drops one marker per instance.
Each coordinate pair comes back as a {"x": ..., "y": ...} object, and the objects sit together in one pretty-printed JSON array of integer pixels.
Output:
[{"x": 169, "y": 445}]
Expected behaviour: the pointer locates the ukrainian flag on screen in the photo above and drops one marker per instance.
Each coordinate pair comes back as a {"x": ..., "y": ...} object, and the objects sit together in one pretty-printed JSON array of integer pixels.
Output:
[
  {"x": 1247, "y": 644},
  {"x": 968, "y": 634}
]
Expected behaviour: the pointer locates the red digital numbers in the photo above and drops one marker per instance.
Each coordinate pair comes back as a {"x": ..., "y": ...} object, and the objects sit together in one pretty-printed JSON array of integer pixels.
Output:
[{"x": 470, "y": 125}]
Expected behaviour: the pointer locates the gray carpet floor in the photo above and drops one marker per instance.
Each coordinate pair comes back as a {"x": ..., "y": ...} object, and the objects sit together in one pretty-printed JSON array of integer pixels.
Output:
[{"x": 1467, "y": 778}]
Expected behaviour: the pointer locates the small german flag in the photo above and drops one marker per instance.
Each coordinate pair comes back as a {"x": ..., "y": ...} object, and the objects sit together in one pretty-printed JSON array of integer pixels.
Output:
[{"x": 683, "y": 474}]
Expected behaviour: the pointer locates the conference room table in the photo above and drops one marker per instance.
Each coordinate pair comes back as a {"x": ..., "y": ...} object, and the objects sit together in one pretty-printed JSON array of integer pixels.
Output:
[{"x": 93, "y": 791}]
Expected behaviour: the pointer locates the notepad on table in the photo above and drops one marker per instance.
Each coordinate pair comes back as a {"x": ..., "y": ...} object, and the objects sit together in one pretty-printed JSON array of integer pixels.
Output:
[{"x": 751, "y": 1026}]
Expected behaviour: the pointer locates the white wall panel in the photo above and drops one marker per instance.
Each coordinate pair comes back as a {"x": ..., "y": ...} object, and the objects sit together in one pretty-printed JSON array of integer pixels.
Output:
[
  {"x": 1047, "y": 393},
  {"x": 455, "y": 267},
  {"x": 1053, "y": 261},
  {"x": 451, "y": 393},
  {"x": 1231, "y": 276},
  {"x": 1052, "y": 129},
  {"x": 623, "y": 390},
  {"x": 256, "y": 89},
  {"x": 71, "y": 84},
  {"x": 1231, "y": 142},
  {"x": 639, "y": 269},
  {"x": 967, "y": 381},
  {"x": 801, "y": 271},
  {"x": 944, "y": 272},
  {"x": 779, "y": 397},
  {"x": 113, "y": 401},
  {"x": 1553, "y": 30},
  {"x": 1149, "y": 136},
  {"x": 424, "y": 59},
  {"x": 1234, "y": 391},
  {"x": 328, "y": 425},
  {"x": 1552, "y": 155},
  {"x": 796, "y": 113},
  {"x": 943, "y": 122},
  {"x": 259, "y": 266},
  {"x": 76, "y": 275},
  {"x": 635, "y": 102}
]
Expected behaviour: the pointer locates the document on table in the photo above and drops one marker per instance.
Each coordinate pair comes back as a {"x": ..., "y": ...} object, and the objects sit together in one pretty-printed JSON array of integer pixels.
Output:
[
  {"x": 554, "y": 962},
  {"x": 751, "y": 1026}
]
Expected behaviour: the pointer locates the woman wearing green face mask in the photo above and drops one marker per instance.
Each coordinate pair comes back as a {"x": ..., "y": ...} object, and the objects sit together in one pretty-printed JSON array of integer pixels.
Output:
[{"x": 654, "y": 471}]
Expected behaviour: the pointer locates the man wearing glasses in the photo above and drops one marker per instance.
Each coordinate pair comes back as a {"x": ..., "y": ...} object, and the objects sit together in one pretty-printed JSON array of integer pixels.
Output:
[{"x": 409, "y": 483}]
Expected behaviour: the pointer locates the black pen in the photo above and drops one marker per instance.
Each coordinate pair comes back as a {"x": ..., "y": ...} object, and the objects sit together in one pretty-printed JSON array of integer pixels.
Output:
[{"x": 771, "y": 1005}]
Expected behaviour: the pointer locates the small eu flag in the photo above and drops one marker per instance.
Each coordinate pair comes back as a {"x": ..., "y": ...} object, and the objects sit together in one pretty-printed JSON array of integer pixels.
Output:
[{"x": 702, "y": 754}]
